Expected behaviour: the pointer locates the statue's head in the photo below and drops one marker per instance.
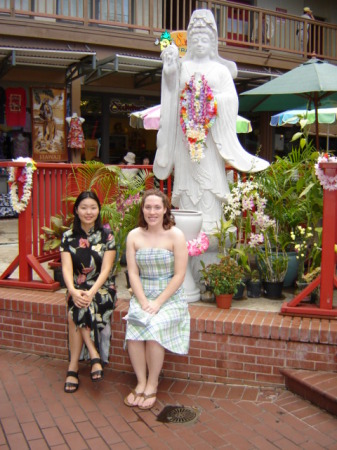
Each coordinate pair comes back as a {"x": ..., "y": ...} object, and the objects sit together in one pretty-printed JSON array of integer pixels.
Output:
[{"x": 202, "y": 22}]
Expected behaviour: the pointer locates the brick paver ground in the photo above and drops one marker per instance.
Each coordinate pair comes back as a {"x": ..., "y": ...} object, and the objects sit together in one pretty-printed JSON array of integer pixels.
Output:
[{"x": 35, "y": 413}]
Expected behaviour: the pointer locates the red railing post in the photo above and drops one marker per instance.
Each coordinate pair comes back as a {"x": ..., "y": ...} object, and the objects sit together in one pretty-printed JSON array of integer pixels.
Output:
[
  {"x": 25, "y": 240},
  {"x": 327, "y": 279}
]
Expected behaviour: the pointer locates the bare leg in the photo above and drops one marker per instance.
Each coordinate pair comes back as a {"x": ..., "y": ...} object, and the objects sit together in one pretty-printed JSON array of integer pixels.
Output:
[
  {"x": 85, "y": 332},
  {"x": 75, "y": 345},
  {"x": 155, "y": 355},
  {"x": 138, "y": 360}
]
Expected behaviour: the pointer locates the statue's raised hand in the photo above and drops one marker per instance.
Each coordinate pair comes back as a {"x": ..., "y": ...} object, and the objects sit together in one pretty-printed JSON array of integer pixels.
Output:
[{"x": 170, "y": 55}]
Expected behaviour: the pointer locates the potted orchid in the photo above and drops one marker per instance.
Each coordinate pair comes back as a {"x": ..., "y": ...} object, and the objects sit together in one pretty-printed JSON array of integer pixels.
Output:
[
  {"x": 257, "y": 233},
  {"x": 245, "y": 207}
]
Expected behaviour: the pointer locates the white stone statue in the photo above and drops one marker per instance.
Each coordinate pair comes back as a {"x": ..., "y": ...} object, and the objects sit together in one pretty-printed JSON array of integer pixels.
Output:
[{"x": 199, "y": 104}]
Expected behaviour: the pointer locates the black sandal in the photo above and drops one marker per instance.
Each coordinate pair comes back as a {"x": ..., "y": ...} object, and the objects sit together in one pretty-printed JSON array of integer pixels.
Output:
[
  {"x": 98, "y": 374},
  {"x": 68, "y": 385}
]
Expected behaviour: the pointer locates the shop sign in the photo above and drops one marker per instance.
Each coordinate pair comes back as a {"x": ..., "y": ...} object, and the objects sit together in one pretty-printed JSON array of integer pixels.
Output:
[
  {"x": 180, "y": 39},
  {"x": 116, "y": 106}
]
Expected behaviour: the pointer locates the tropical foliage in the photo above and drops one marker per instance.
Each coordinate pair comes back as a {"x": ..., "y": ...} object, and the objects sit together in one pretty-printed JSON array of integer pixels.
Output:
[
  {"x": 293, "y": 193},
  {"x": 119, "y": 195}
]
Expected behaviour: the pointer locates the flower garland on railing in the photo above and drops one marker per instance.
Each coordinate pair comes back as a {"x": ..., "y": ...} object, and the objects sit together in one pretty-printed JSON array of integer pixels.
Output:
[
  {"x": 198, "y": 111},
  {"x": 329, "y": 183},
  {"x": 21, "y": 176},
  {"x": 198, "y": 245}
]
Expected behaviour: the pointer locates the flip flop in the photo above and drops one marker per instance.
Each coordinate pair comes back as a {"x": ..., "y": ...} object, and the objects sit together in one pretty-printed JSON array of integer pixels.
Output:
[
  {"x": 70, "y": 387},
  {"x": 99, "y": 373},
  {"x": 145, "y": 397},
  {"x": 135, "y": 395}
]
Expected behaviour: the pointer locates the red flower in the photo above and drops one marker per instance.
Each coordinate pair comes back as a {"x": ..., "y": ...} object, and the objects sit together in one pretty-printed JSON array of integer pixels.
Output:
[{"x": 84, "y": 243}]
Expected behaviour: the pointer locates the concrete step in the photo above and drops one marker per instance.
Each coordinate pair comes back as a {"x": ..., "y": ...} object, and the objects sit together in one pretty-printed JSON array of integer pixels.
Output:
[{"x": 318, "y": 387}]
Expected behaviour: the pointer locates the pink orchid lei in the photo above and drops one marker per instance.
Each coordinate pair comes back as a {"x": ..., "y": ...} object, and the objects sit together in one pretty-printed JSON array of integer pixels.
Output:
[
  {"x": 198, "y": 245},
  {"x": 329, "y": 183},
  {"x": 198, "y": 111}
]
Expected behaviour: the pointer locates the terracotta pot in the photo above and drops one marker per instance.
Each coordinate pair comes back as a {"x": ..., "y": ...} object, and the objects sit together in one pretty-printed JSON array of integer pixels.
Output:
[{"x": 224, "y": 301}]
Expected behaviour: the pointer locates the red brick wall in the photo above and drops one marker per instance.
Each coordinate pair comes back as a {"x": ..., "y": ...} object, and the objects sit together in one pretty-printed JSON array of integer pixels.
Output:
[
  {"x": 30, "y": 325},
  {"x": 234, "y": 346},
  {"x": 242, "y": 347}
]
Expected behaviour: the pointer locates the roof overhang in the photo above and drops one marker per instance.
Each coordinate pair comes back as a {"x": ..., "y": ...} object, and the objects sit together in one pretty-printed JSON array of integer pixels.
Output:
[
  {"x": 254, "y": 77},
  {"x": 74, "y": 62},
  {"x": 146, "y": 70}
]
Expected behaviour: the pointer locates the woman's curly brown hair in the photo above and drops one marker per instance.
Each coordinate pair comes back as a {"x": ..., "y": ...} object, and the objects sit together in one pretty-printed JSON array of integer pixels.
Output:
[{"x": 168, "y": 219}]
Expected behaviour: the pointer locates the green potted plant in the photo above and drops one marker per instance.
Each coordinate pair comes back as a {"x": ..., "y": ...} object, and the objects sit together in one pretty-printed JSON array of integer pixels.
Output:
[
  {"x": 308, "y": 246},
  {"x": 254, "y": 285},
  {"x": 52, "y": 237},
  {"x": 272, "y": 262},
  {"x": 293, "y": 197},
  {"x": 223, "y": 278}
]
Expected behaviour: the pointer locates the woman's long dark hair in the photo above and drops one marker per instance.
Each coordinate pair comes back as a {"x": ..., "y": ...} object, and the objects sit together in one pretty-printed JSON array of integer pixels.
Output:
[
  {"x": 77, "y": 223},
  {"x": 168, "y": 219}
]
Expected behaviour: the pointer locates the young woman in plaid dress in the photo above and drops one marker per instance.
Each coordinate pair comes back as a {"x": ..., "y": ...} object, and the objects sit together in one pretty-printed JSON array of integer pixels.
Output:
[{"x": 157, "y": 259}]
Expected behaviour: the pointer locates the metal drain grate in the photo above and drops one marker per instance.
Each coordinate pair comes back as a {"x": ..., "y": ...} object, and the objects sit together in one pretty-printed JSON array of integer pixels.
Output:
[{"x": 178, "y": 414}]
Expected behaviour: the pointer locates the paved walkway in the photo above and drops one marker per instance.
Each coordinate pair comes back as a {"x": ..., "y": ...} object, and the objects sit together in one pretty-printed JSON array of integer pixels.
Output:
[{"x": 35, "y": 413}]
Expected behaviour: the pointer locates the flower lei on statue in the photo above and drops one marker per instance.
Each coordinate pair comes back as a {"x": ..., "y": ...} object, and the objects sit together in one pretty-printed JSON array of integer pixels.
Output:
[
  {"x": 329, "y": 183},
  {"x": 198, "y": 245},
  {"x": 21, "y": 176},
  {"x": 198, "y": 111}
]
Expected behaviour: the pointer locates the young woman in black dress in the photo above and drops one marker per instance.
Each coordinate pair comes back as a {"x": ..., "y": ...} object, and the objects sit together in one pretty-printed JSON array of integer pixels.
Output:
[{"x": 87, "y": 253}]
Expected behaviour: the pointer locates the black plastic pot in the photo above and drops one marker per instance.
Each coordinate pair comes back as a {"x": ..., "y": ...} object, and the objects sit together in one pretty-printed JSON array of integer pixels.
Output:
[
  {"x": 254, "y": 289},
  {"x": 239, "y": 292},
  {"x": 272, "y": 289}
]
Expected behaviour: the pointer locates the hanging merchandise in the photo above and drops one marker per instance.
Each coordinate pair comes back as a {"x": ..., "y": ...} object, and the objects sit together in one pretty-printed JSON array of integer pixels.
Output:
[{"x": 15, "y": 107}]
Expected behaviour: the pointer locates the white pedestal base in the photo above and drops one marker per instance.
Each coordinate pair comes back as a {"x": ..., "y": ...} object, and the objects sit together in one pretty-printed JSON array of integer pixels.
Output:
[{"x": 190, "y": 223}]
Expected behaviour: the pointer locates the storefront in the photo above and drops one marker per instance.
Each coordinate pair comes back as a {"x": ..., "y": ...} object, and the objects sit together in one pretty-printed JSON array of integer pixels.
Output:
[{"x": 107, "y": 126}]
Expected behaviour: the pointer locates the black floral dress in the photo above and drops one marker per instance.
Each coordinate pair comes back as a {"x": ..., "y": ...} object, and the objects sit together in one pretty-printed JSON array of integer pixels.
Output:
[{"x": 87, "y": 251}]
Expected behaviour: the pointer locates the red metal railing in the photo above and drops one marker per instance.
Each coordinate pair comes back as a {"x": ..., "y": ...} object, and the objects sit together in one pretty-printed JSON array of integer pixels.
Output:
[{"x": 49, "y": 190}]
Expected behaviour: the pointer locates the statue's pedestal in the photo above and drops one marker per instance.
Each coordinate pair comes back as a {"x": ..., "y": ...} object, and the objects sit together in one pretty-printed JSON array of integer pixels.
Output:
[{"x": 190, "y": 223}]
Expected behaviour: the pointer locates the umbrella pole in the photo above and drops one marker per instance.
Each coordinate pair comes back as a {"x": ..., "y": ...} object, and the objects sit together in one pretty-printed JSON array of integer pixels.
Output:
[{"x": 316, "y": 120}]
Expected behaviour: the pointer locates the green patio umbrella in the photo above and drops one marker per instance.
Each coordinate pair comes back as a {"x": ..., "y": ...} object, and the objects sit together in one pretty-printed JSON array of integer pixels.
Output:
[{"x": 310, "y": 85}]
